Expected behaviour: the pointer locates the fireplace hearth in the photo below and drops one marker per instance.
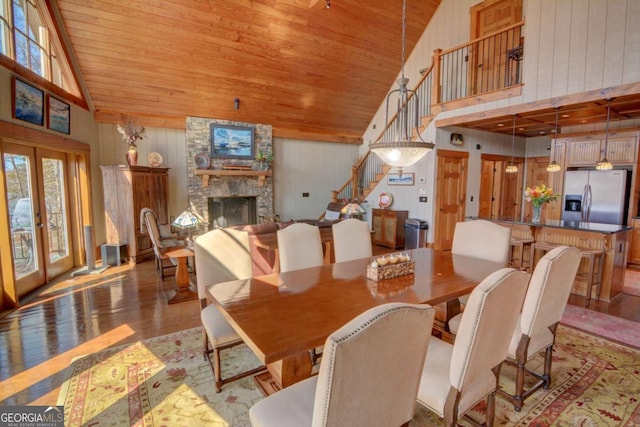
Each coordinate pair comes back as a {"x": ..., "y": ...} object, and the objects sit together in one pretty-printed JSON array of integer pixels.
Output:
[{"x": 228, "y": 211}]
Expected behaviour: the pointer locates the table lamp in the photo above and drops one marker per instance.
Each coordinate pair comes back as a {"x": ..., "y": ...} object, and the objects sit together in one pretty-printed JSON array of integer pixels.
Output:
[
  {"x": 353, "y": 210},
  {"x": 188, "y": 220}
]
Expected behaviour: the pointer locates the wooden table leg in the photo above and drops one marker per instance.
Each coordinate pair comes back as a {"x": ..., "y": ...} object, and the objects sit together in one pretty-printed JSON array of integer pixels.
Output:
[
  {"x": 183, "y": 293},
  {"x": 291, "y": 369}
]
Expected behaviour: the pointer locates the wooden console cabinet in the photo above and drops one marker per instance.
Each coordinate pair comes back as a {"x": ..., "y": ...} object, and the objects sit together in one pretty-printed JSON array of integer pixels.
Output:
[
  {"x": 128, "y": 189},
  {"x": 388, "y": 227}
]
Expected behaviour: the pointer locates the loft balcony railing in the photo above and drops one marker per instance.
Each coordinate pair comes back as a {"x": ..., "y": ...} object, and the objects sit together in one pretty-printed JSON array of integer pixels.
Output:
[
  {"x": 487, "y": 64},
  {"x": 484, "y": 65}
]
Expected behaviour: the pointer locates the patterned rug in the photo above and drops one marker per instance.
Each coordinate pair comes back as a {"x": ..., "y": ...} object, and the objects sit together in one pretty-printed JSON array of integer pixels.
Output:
[
  {"x": 614, "y": 328},
  {"x": 165, "y": 382}
]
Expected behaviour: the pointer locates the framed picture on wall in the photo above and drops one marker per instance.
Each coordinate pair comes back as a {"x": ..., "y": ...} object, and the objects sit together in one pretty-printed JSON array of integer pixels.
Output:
[
  {"x": 401, "y": 179},
  {"x": 58, "y": 115},
  {"x": 28, "y": 102},
  {"x": 231, "y": 142}
]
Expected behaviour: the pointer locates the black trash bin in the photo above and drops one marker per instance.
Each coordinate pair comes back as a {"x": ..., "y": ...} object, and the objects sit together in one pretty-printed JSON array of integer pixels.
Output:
[{"x": 415, "y": 233}]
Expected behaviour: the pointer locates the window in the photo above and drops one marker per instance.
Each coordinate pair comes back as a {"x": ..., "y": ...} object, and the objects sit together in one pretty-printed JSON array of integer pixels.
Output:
[{"x": 26, "y": 38}]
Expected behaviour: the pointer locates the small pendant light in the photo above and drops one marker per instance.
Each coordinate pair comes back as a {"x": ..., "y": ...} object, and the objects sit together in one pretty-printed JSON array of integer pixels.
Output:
[
  {"x": 604, "y": 164},
  {"x": 553, "y": 166},
  {"x": 512, "y": 168}
]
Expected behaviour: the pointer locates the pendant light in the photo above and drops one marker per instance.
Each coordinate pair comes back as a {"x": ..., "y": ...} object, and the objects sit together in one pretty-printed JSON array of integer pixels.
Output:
[
  {"x": 604, "y": 164},
  {"x": 396, "y": 147},
  {"x": 553, "y": 166},
  {"x": 512, "y": 168}
]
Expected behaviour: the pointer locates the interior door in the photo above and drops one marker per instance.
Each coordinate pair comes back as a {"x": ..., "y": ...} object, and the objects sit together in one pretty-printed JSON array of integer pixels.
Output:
[
  {"x": 451, "y": 190},
  {"x": 37, "y": 196},
  {"x": 489, "y": 57}
]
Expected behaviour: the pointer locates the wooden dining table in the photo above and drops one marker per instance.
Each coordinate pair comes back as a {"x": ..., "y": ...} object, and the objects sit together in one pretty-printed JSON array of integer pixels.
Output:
[{"x": 282, "y": 316}]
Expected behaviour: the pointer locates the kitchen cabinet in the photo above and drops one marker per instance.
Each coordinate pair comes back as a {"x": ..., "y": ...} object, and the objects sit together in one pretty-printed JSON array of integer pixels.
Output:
[
  {"x": 388, "y": 227},
  {"x": 587, "y": 152},
  {"x": 634, "y": 247},
  {"x": 128, "y": 189}
]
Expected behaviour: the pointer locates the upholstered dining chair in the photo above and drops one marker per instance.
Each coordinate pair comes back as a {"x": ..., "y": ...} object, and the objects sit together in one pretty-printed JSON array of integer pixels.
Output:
[
  {"x": 351, "y": 239},
  {"x": 221, "y": 255},
  {"x": 479, "y": 239},
  {"x": 456, "y": 377},
  {"x": 299, "y": 246},
  {"x": 159, "y": 240},
  {"x": 544, "y": 305},
  {"x": 355, "y": 385}
]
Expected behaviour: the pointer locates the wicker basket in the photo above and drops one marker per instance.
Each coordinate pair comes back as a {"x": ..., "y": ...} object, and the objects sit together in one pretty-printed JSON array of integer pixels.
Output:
[{"x": 389, "y": 271}]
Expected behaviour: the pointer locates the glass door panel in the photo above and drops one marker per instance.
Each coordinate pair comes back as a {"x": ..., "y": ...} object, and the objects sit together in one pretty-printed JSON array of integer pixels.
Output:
[
  {"x": 24, "y": 213},
  {"x": 54, "y": 201}
]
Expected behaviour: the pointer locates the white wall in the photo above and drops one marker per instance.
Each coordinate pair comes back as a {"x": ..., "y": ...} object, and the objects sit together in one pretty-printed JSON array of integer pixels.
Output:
[{"x": 310, "y": 167}]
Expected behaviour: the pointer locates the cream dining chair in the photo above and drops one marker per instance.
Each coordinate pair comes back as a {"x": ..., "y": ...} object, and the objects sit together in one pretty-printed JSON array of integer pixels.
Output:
[
  {"x": 351, "y": 239},
  {"x": 544, "y": 305},
  {"x": 221, "y": 255},
  {"x": 299, "y": 246},
  {"x": 368, "y": 376},
  {"x": 457, "y": 377},
  {"x": 480, "y": 239}
]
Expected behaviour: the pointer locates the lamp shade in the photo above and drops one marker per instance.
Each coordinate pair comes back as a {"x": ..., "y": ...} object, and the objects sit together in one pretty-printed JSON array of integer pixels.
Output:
[
  {"x": 401, "y": 153},
  {"x": 187, "y": 219},
  {"x": 352, "y": 209}
]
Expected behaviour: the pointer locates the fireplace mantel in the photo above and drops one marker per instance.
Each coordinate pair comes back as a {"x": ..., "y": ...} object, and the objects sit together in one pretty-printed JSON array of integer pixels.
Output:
[{"x": 205, "y": 174}]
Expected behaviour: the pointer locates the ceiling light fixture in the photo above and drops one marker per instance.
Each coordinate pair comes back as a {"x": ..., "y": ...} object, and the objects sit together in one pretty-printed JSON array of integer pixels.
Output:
[
  {"x": 553, "y": 166},
  {"x": 512, "y": 168},
  {"x": 604, "y": 164},
  {"x": 396, "y": 147}
]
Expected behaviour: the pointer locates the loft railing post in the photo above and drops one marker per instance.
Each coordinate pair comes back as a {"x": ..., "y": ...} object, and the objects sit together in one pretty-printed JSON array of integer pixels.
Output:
[{"x": 435, "y": 80}]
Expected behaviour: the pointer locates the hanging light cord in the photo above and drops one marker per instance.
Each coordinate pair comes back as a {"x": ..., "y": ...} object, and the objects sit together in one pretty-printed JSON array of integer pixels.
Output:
[
  {"x": 606, "y": 129},
  {"x": 513, "y": 137},
  {"x": 404, "y": 19}
]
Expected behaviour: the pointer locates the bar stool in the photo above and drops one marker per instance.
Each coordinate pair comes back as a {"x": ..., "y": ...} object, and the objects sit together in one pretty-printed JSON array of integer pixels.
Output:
[
  {"x": 595, "y": 264},
  {"x": 543, "y": 248},
  {"x": 517, "y": 253}
]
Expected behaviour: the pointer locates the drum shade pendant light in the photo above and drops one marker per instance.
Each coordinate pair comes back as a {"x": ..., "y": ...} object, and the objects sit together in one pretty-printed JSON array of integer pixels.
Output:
[
  {"x": 512, "y": 168},
  {"x": 604, "y": 164},
  {"x": 553, "y": 166},
  {"x": 396, "y": 147}
]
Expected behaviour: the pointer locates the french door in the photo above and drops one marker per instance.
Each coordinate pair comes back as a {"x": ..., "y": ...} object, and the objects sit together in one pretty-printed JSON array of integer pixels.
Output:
[{"x": 38, "y": 200}]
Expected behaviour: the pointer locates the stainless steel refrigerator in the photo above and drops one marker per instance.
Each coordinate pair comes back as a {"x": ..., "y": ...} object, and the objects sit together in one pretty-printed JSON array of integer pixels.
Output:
[{"x": 596, "y": 196}]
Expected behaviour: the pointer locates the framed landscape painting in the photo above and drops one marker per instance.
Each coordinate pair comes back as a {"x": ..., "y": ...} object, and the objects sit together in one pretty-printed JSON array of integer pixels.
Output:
[
  {"x": 231, "y": 142},
  {"x": 28, "y": 102},
  {"x": 59, "y": 115},
  {"x": 400, "y": 179}
]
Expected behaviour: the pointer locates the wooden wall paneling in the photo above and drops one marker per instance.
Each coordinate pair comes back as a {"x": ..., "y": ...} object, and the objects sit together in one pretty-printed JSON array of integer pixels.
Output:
[
  {"x": 532, "y": 35},
  {"x": 545, "y": 72},
  {"x": 561, "y": 49},
  {"x": 632, "y": 41},
  {"x": 614, "y": 44},
  {"x": 596, "y": 34},
  {"x": 578, "y": 46}
]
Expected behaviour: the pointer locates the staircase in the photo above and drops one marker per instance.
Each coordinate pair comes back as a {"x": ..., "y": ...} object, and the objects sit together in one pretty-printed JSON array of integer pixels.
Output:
[{"x": 367, "y": 173}]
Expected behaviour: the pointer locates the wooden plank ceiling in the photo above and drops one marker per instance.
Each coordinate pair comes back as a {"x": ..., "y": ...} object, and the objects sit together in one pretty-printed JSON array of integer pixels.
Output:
[
  {"x": 538, "y": 121},
  {"x": 309, "y": 71}
]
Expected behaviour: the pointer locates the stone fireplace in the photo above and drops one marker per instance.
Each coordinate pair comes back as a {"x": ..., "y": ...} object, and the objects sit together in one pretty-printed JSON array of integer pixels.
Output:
[{"x": 233, "y": 200}]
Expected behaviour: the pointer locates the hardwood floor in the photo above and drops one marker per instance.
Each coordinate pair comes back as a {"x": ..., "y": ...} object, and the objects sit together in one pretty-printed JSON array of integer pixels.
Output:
[{"x": 85, "y": 314}]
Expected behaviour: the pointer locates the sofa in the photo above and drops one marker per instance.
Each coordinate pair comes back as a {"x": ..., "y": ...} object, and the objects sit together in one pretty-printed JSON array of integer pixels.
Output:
[{"x": 261, "y": 235}]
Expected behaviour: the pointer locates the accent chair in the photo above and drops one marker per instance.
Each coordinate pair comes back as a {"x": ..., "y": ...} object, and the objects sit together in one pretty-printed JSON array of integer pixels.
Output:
[
  {"x": 368, "y": 376},
  {"x": 456, "y": 377}
]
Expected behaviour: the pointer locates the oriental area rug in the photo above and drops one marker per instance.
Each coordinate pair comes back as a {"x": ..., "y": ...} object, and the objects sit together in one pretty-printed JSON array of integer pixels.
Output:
[{"x": 165, "y": 381}]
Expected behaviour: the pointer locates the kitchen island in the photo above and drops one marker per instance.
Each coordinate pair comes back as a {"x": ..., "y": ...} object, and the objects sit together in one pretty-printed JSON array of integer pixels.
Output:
[{"x": 613, "y": 240}]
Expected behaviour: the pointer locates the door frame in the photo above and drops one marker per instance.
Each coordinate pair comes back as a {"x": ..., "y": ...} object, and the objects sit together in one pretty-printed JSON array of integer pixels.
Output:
[{"x": 80, "y": 204}]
